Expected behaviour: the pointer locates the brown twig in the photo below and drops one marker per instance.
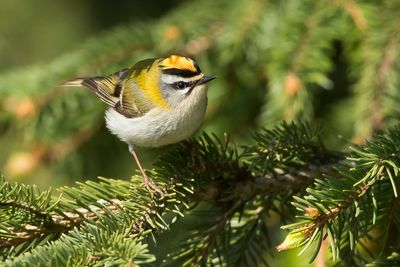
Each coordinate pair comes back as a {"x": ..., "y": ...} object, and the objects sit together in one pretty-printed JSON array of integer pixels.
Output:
[
  {"x": 356, "y": 13},
  {"x": 320, "y": 261}
]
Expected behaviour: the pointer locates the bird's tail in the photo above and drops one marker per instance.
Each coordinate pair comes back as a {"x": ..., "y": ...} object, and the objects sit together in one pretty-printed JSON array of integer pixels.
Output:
[
  {"x": 105, "y": 87},
  {"x": 101, "y": 85},
  {"x": 73, "y": 83},
  {"x": 89, "y": 82},
  {"x": 108, "y": 88}
]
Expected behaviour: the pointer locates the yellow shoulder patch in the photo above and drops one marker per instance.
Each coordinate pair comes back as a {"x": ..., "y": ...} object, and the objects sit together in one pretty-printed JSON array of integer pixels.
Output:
[
  {"x": 178, "y": 62},
  {"x": 149, "y": 84}
]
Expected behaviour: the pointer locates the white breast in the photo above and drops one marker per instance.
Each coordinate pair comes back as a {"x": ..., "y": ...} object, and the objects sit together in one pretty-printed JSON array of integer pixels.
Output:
[{"x": 160, "y": 127}]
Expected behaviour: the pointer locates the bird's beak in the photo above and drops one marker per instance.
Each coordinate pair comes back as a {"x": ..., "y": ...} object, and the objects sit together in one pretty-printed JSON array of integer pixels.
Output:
[{"x": 206, "y": 79}]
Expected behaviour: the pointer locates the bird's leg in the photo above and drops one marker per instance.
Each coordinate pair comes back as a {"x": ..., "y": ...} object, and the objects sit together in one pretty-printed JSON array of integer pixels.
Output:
[{"x": 147, "y": 181}]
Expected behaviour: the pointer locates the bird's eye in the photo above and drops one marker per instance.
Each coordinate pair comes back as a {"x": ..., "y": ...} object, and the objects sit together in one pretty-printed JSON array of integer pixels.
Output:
[{"x": 180, "y": 85}]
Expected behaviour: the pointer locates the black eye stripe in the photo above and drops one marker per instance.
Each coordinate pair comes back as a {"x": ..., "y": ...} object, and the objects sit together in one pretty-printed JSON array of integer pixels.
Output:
[{"x": 181, "y": 73}]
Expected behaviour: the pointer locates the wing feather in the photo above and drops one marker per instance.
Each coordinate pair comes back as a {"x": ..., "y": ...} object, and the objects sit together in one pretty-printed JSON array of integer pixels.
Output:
[{"x": 113, "y": 91}]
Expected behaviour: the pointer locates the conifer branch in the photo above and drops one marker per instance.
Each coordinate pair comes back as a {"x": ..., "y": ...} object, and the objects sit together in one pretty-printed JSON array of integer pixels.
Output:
[
  {"x": 356, "y": 202},
  {"x": 288, "y": 169},
  {"x": 209, "y": 162},
  {"x": 237, "y": 184}
]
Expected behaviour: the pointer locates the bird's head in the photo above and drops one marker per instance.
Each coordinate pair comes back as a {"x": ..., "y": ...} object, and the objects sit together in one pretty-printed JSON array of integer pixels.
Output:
[
  {"x": 174, "y": 79},
  {"x": 181, "y": 78}
]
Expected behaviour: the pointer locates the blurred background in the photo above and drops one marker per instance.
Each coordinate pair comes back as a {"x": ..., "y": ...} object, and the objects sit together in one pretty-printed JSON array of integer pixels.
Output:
[
  {"x": 32, "y": 34},
  {"x": 333, "y": 63}
]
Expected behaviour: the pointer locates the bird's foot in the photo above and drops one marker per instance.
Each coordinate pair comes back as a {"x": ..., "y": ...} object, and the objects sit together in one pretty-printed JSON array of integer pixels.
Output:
[{"x": 151, "y": 186}]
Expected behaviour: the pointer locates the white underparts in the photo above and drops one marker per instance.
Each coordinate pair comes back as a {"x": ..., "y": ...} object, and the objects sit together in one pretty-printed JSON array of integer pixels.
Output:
[{"x": 159, "y": 126}]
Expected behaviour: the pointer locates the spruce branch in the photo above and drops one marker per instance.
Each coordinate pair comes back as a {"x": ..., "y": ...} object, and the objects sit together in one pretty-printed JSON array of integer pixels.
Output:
[
  {"x": 206, "y": 169},
  {"x": 89, "y": 246},
  {"x": 24, "y": 216},
  {"x": 245, "y": 193},
  {"x": 244, "y": 187},
  {"x": 356, "y": 202},
  {"x": 93, "y": 203}
]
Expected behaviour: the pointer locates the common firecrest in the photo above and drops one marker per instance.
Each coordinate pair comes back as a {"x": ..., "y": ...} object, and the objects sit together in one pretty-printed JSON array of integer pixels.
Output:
[{"x": 155, "y": 102}]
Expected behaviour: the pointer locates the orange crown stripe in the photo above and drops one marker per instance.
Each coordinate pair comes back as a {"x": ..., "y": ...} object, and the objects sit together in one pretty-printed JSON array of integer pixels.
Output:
[{"x": 178, "y": 62}]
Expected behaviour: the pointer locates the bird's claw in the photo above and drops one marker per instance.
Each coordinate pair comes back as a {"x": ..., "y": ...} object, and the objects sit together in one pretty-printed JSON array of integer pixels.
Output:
[{"x": 149, "y": 184}]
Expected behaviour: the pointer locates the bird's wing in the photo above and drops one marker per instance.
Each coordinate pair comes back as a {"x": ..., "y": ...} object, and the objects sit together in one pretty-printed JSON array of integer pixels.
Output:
[{"x": 113, "y": 91}]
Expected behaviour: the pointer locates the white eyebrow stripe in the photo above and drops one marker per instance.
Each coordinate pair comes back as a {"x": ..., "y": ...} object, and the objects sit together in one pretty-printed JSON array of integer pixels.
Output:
[{"x": 170, "y": 79}]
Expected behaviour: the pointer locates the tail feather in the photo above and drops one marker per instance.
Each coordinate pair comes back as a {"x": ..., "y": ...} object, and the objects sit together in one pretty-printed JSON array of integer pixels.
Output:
[
  {"x": 73, "y": 83},
  {"x": 91, "y": 83},
  {"x": 103, "y": 87}
]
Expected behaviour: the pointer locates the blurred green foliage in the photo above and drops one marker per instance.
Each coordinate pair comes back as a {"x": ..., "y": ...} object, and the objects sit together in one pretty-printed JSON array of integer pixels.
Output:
[{"x": 32, "y": 33}]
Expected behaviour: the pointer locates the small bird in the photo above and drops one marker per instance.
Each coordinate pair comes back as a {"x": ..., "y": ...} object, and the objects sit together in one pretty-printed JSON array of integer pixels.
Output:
[{"x": 155, "y": 102}]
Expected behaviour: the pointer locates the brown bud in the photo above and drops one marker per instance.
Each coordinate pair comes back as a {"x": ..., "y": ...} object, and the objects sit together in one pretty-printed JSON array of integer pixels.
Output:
[
  {"x": 359, "y": 140},
  {"x": 24, "y": 162},
  {"x": 21, "y": 108},
  {"x": 196, "y": 46},
  {"x": 292, "y": 84},
  {"x": 172, "y": 32},
  {"x": 20, "y": 163},
  {"x": 312, "y": 212}
]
